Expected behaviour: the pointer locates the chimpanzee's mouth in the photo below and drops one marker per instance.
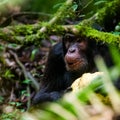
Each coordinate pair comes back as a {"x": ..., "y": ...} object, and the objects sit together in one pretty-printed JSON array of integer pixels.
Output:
[
  {"x": 75, "y": 63},
  {"x": 71, "y": 63},
  {"x": 71, "y": 66}
]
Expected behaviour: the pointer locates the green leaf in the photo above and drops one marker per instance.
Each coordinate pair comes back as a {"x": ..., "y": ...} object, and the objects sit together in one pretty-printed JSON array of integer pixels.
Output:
[
  {"x": 100, "y": 2},
  {"x": 116, "y": 33},
  {"x": 26, "y": 81},
  {"x": 1, "y": 99},
  {"x": 74, "y": 7},
  {"x": 33, "y": 54},
  {"x": 8, "y": 74},
  {"x": 57, "y": 5}
]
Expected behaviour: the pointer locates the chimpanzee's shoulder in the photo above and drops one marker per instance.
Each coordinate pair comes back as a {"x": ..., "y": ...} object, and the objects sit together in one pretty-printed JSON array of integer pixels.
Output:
[{"x": 57, "y": 49}]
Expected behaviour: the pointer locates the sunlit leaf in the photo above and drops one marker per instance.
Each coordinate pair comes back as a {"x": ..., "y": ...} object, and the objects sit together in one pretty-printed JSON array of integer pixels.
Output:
[
  {"x": 74, "y": 7},
  {"x": 26, "y": 81},
  {"x": 100, "y": 2}
]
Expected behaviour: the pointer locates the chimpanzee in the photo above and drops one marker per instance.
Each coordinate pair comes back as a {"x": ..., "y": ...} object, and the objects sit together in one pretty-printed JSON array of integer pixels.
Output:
[{"x": 68, "y": 60}]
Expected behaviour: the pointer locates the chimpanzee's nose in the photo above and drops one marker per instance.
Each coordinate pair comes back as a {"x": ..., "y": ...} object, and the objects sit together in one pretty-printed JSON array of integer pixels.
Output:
[{"x": 72, "y": 50}]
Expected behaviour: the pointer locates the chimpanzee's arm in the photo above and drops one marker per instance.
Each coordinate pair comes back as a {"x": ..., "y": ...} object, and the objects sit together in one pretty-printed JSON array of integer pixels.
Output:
[
  {"x": 44, "y": 97},
  {"x": 52, "y": 83}
]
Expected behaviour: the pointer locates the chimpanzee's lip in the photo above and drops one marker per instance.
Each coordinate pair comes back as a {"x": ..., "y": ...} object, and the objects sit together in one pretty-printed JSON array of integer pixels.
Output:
[{"x": 74, "y": 63}]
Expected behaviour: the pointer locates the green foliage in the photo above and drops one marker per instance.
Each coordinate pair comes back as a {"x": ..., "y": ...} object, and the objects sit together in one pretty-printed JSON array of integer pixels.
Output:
[
  {"x": 100, "y": 2},
  {"x": 8, "y": 74},
  {"x": 10, "y": 116},
  {"x": 45, "y": 6},
  {"x": 117, "y": 29},
  {"x": 116, "y": 56},
  {"x": 17, "y": 104},
  {"x": 89, "y": 7},
  {"x": 58, "y": 5},
  {"x": 33, "y": 54},
  {"x": 1, "y": 48},
  {"x": 109, "y": 12},
  {"x": 25, "y": 93},
  {"x": 1, "y": 99},
  {"x": 74, "y": 7},
  {"x": 27, "y": 81}
]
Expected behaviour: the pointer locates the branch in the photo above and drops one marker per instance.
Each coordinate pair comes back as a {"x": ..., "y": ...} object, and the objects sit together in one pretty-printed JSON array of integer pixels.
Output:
[
  {"x": 91, "y": 33},
  {"x": 83, "y": 31}
]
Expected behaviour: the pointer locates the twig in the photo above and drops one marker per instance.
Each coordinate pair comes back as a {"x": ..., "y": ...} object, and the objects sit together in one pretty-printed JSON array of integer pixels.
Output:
[
  {"x": 25, "y": 72},
  {"x": 87, "y": 5},
  {"x": 11, "y": 96},
  {"x": 29, "y": 98}
]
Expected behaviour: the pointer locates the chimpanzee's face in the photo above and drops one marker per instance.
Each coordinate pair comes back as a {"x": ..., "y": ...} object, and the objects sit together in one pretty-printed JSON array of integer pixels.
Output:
[{"x": 75, "y": 56}]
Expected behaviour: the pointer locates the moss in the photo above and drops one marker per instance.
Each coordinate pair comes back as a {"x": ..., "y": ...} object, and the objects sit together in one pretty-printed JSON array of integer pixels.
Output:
[
  {"x": 98, "y": 35},
  {"x": 25, "y": 29}
]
